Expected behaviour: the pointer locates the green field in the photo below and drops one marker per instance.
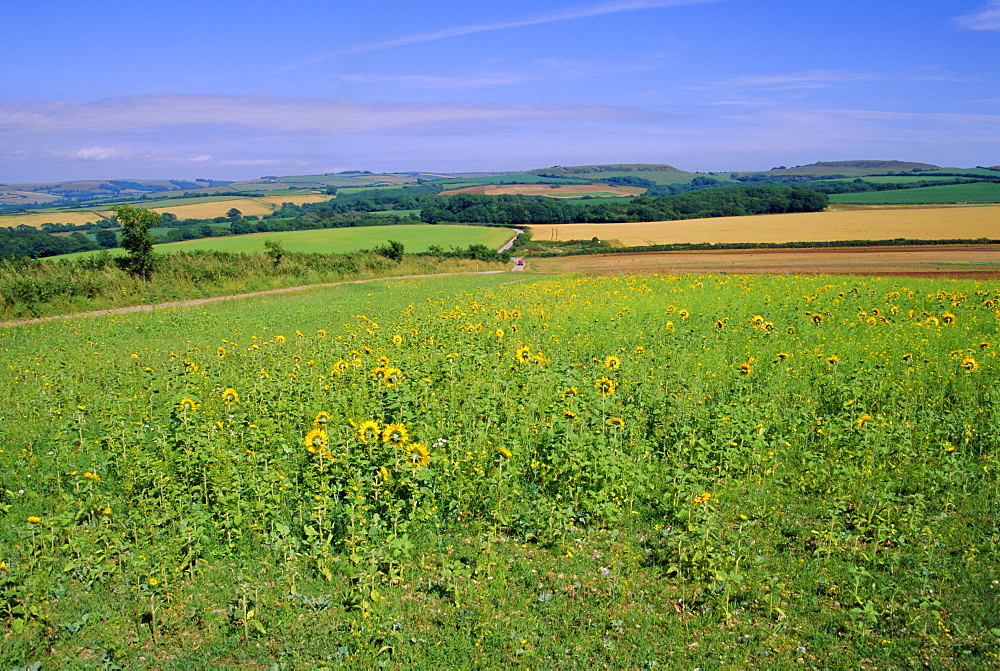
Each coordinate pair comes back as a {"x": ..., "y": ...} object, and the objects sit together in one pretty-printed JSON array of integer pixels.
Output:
[
  {"x": 503, "y": 471},
  {"x": 983, "y": 192},
  {"x": 415, "y": 238}
]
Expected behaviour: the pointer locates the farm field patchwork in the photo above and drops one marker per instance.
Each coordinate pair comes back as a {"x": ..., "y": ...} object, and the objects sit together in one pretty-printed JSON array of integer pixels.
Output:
[
  {"x": 932, "y": 223},
  {"x": 501, "y": 470}
]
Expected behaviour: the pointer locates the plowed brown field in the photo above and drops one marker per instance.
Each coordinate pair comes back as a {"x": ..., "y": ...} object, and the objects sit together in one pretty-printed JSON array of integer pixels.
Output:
[{"x": 951, "y": 261}]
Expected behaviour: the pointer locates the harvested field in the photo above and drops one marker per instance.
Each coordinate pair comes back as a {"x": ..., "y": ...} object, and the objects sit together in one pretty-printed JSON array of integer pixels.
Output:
[
  {"x": 568, "y": 191},
  {"x": 951, "y": 261},
  {"x": 209, "y": 210},
  {"x": 926, "y": 223},
  {"x": 248, "y": 206}
]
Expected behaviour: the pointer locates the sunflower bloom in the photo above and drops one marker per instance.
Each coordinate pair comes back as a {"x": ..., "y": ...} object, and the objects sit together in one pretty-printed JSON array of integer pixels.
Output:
[
  {"x": 864, "y": 419},
  {"x": 613, "y": 363},
  {"x": 948, "y": 319},
  {"x": 395, "y": 435},
  {"x": 186, "y": 404},
  {"x": 616, "y": 423},
  {"x": 523, "y": 354},
  {"x": 316, "y": 441},
  {"x": 605, "y": 386},
  {"x": 816, "y": 318},
  {"x": 322, "y": 419},
  {"x": 969, "y": 364},
  {"x": 369, "y": 431},
  {"x": 230, "y": 396},
  {"x": 507, "y": 454},
  {"x": 417, "y": 455},
  {"x": 701, "y": 498}
]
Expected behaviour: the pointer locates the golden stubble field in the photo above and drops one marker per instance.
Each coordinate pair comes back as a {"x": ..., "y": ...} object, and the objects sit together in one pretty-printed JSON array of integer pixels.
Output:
[
  {"x": 931, "y": 223},
  {"x": 248, "y": 206}
]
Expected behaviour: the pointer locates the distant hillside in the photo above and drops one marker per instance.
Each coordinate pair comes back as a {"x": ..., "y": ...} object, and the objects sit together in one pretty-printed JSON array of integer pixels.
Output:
[
  {"x": 586, "y": 169},
  {"x": 851, "y": 168}
]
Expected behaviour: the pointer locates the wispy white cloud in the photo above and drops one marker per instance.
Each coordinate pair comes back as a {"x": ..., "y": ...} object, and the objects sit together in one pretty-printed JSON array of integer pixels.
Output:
[
  {"x": 276, "y": 114},
  {"x": 437, "y": 82},
  {"x": 987, "y": 18},
  {"x": 97, "y": 154},
  {"x": 597, "y": 9},
  {"x": 812, "y": 79}
]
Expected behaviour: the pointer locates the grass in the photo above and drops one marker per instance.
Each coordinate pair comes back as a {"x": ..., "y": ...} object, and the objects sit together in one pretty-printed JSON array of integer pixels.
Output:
[
  {"x": 674, "y": 471},
  {"x": 982, "y": 192},
  {"x": 415, "y": 238}
]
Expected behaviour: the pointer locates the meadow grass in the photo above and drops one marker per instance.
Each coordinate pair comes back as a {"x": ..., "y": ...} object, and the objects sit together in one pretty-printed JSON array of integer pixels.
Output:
[
  {"x": 979, "y": 192},
  {"x": 720, "y": 471},
  {"x": 415, "y": 238}
]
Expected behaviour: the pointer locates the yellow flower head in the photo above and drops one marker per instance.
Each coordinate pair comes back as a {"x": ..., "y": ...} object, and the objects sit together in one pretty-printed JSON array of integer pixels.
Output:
[
  {"x": 369, "y": 431},
  {"x": 186, "y": 404},
  {"x": 417, "y": 455},
  {"x": 395, "y": 435},
  {"x": 605, "y": 386},
  {"x": 505, "y": 452},
  {"x": 221, "y": 351},
  {"x": 397, "y": 340},
  {"x": 969, "y": 364},
  {"x": 616, "y": 422},
  {"x": 523, "y": 354},
  {"x": 613, "y": 362},
  {"x": 316, "y": 441},
  {"x": 33, "y": 519},
  {"x": 701, "y": 498},
  {"x": 864, "y": 419},
  {"x": 230, "y": 396},
  {"x": 948, "y": 319},
  {"x": 322, "y": 419},
  {"x": 817, "y": 318}
]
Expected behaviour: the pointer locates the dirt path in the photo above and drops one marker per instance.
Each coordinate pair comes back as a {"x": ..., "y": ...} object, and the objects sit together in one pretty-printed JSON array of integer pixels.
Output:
[{"x": 213, "y": 299}]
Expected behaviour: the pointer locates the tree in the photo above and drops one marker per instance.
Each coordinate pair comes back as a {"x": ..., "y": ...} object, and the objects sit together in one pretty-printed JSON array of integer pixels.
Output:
[
  {"x": 106, "y": 239},
  {"x": 233, "y": 212},
  {"x": 136, "y": 239},
  {"x": 393, "y": 250},
  {"x": 275, "y": 250}
]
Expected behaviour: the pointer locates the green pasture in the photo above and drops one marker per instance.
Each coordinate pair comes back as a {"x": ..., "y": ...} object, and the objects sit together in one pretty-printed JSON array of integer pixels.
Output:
[
  {"x": 982, "y": 192},
  {"x": 415, "y": 238}
]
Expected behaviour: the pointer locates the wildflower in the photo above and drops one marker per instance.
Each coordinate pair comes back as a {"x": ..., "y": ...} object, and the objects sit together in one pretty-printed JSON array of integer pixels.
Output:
[
  {"x": 505, "y": 452},
  {"x": 316, "y": 441},
  {"x": 33, "y": 519},
  {"x": 393, "y": 377},
  {"x": 864, "y": 419},
  {"x": 230, "y": 396},
  {"x": 639, "y": 349},
  {"x": 397, "y": 339},
  {"x": 669, "y": 327},
  {"x": 948, "y": 319},
  {"x": 395, "y": 435},
  {"x": 498, "y": 333},
  {"x": 683, "y": 314},
  {"x": 613, "y": 363},
  {"x": 450, "y": 358},
  {"x": 833, "y": 360},
  {"x": 782, "y": 355},
  {"x": 321, "y": 333},
  {"x": 296, "y": 359},
  {"x": 701, "y": 498},
  {"x": 569, "y": 414},
  {"x": 91, "y": 476},
  {"x": 186, "y": 404},
  {"x": 153, "y": 582},
  {"x": 746, "y": 367},
  {"x": 605, "y": 386},
  {"x": 616, "y": 423},
  {"x": 572, "y": 391},
  {"x": 340, "y": 366},
  {"x": 816, "y": 318},
  {"x": 280, "y": 339},
  {"x": 369, "y": 431},
  {"x": 969, "y": 364},
  {"x": 417, "y": 455},
  {"x": 757, "y": 321},
  {"x": 322, "y": 419},
  {"x": 523, "y": 354}
]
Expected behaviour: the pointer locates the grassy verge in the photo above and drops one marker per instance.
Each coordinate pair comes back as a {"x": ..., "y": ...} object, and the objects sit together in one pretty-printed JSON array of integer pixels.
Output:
[{"x": 34, "y": 288}]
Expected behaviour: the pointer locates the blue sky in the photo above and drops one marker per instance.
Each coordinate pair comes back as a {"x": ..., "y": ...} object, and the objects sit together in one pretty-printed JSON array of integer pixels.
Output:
[{"x": 236, "y": 90}]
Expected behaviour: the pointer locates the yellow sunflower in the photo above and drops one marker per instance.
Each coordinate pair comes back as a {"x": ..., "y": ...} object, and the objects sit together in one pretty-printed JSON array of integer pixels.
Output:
[
  {"x": 230, "y": 396},
  {"x": 417, "y": 455},
  {"x": 186, "y": 404},
  {"x": 969, "y": 364},
  {"x": 322, "y": 419},
  {"x": 523, "y": 354},
  {"x": 613, "y": 363},
  {"x": 369, "y": 431},
  {"x": 817, "y": 318},
  {"x": 864, "y": 419},
  {"x": 395, "y": 435},
  {"x": 393, "y": 377},
  {"x": 616, "y": 423},
  {"x": 605, "y": 386},
  {"x": 948, "y": 319},
  {"x": 316, "y": 441}
]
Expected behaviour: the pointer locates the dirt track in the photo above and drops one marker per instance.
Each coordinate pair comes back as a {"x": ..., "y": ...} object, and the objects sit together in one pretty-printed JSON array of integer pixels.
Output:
[{"x": 949, "y": 261}]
